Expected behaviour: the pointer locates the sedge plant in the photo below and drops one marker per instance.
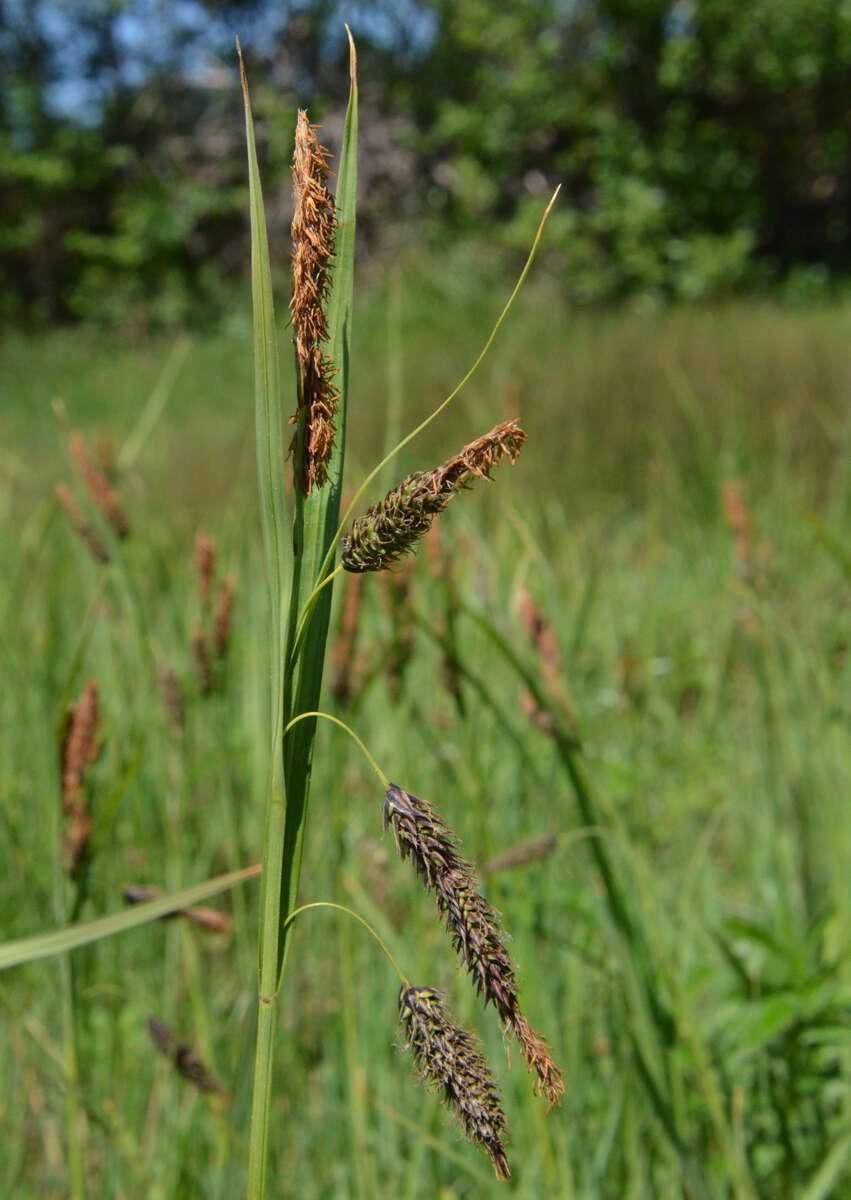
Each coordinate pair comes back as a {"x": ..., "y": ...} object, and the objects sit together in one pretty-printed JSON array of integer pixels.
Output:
[{"x": 300, "y": 549}]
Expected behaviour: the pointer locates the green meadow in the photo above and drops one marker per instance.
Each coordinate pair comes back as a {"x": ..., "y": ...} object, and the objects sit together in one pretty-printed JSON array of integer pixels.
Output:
[{"x": 655, "y": 787}]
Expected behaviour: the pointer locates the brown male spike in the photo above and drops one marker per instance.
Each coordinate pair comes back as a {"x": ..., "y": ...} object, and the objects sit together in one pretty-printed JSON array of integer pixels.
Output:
[{"x": 313, "y": 229}]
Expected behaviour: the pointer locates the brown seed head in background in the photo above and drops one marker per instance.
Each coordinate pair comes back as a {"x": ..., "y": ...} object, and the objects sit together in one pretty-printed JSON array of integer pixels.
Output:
[
  {"x": 536, "y": 849},
  {"x": 313, "y": 229},
  {"x": 183, "y": 1057},
  {"x": 85, "y": 531},
  {"x": 205, "y": 565},
  {"x": 202, "y": 668},
  {"x": 542, "y": 637},
  {"x": 448, "y": 1058},
  {"x": 224, "y": 614},
  {"x": 102, "y": 494},
  {"x": 208, "y": 919},
  {"x": 76, "y": 838},
  {"x": 79, "y": 747},
  {"x": 171, "y": 698}
]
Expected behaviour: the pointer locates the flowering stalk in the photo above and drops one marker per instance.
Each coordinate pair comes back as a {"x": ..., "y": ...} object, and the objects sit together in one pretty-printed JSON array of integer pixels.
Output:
[
  {"x": 472, "y": 922},
  {"x": 79, "y": 749}
]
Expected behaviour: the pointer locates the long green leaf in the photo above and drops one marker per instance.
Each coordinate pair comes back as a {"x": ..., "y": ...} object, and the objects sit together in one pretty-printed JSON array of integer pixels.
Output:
[
  {"x": 270, "y": 464},
  {"x": 58, "y": 941},
  {"x": 270, "y": 460},
  {"x": 267, "y": 395}
]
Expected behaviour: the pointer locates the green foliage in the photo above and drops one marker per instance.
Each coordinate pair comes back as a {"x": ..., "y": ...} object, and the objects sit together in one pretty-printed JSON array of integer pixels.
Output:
[
  {"x": 122, "y": 224},
  {"x": 703, "y": 148}
]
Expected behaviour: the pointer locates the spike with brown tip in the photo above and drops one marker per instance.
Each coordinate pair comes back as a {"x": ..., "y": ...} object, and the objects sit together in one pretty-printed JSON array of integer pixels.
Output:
[
  {"x": 473, "y": 923},
  {"x": 390, "y": 529},
  {"x": 205, "y": 565}
]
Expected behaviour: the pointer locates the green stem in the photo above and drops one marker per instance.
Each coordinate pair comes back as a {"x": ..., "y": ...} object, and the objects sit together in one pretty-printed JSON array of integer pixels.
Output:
[
  {"x": 356, "y": 917},
  {"x": 307, "y": 609},
  {"x": 385, "y": 783},
  {"x": 270, "y": 931},
  {"x": 261, "y": 1097},
  {"x": 76, "y": 1173}
]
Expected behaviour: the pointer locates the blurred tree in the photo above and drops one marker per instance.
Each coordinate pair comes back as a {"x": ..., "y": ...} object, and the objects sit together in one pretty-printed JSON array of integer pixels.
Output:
[
  {"x": 113, "y": 200},
  {"x": 703, "y": 144}
]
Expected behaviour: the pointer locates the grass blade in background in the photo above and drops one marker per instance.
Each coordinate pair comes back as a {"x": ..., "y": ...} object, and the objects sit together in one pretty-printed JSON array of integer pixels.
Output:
[
  {"x": 155, "y": 407},
  {"x": 83, "y": 933}
]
